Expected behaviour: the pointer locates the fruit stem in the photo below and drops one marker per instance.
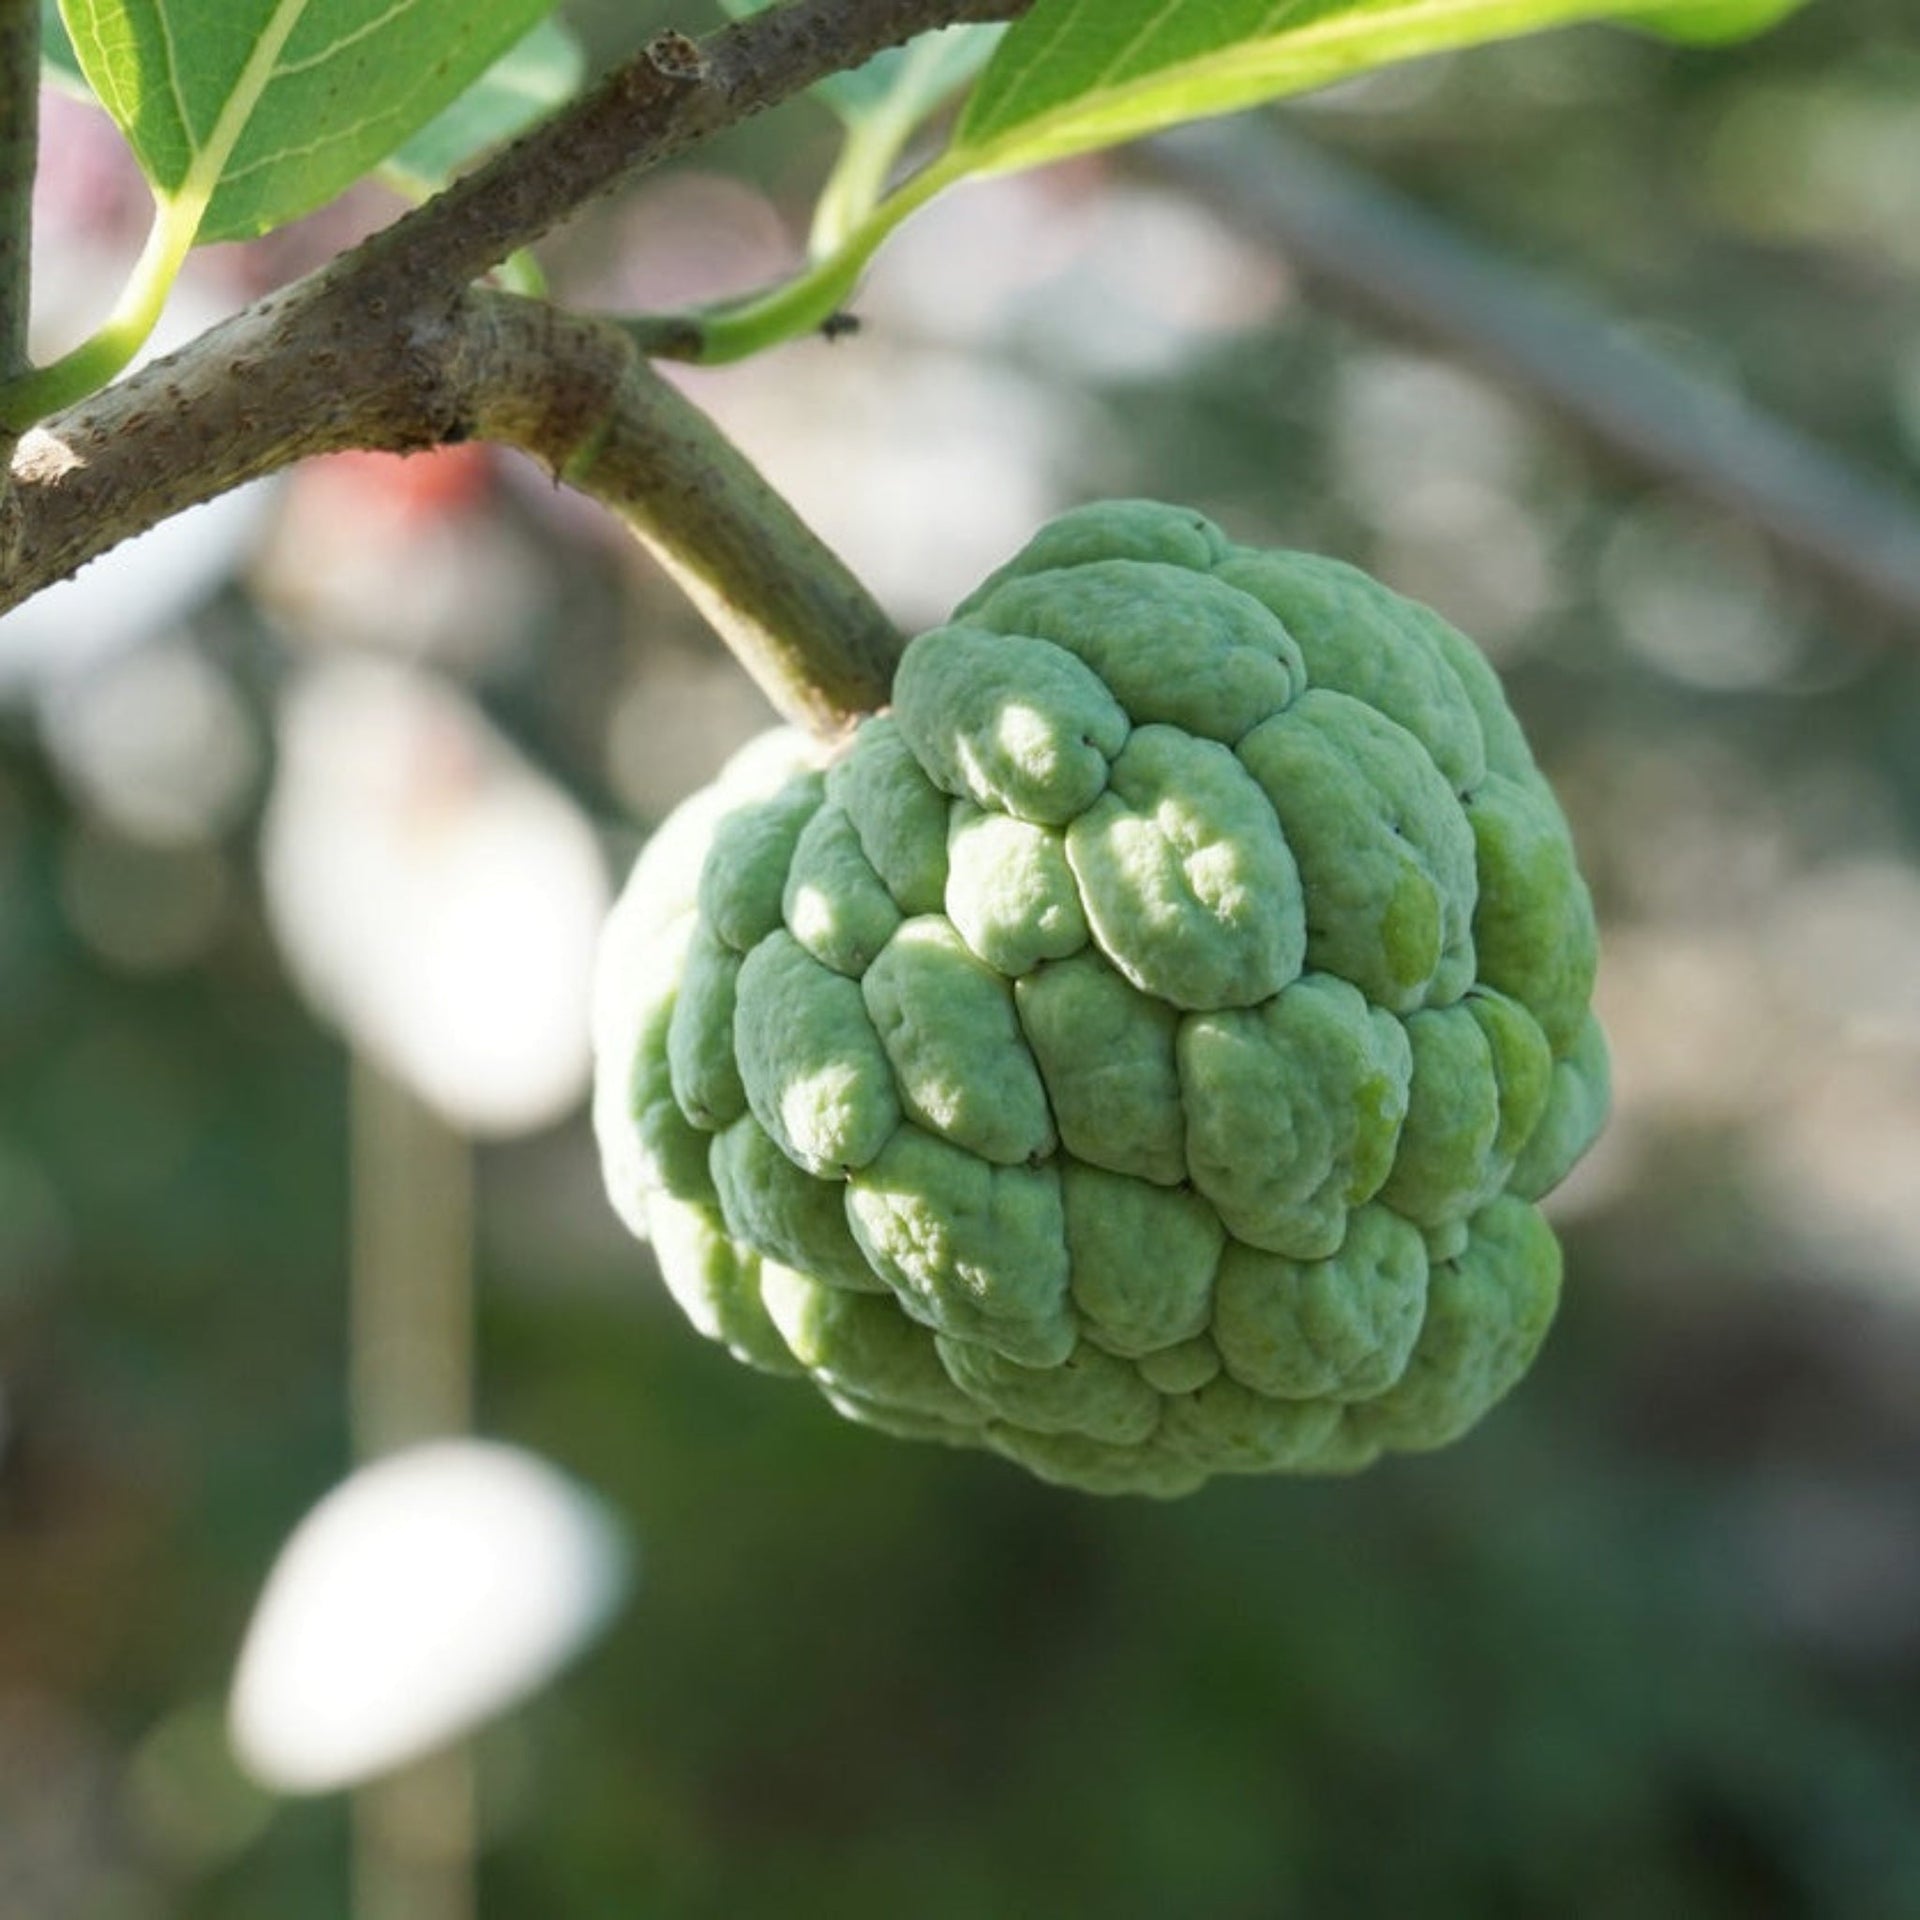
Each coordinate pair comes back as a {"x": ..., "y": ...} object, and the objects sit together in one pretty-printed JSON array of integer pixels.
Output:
[{"x": 818, "y": 644}]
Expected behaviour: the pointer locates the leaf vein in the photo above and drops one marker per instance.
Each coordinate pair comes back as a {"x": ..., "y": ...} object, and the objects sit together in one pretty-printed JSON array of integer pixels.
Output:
[
  {"x": 1037, "y": 61},
  {"x": 255, "y": 77},
  {"x": 172, "y": 54},
  {"x": 1270, "y": 61},
  {"x": 365, "y": 30},
  {"x": 333, "y": 137}
]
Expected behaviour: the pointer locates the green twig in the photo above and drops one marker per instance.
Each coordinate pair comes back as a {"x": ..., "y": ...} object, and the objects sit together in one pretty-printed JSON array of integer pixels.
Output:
[
  {"x": 108, "y": 351},
  {"x": 858, "y": 182},
  {"x": 733, "y": 330}
]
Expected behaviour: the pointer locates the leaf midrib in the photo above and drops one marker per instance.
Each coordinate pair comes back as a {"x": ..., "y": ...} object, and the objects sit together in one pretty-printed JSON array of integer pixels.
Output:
[
  {"x": 208, "y": 165},
  {"x": 1327, "y": 37}
]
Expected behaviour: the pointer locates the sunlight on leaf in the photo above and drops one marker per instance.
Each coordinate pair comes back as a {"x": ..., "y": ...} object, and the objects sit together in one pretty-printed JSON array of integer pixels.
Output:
[
  {"x": 1074, "y": 75},
  {"x": 245, "y": 114},
  {"x": 1708, "y": 22}
]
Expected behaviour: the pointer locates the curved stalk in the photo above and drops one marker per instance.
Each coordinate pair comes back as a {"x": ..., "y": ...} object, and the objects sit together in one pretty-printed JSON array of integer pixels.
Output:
[
  {"x": 817, "y": 643},
  {"x": 857, "y": 183},
  {"x": 714, "y": 336},
  {"x": 108, "y": 351}
]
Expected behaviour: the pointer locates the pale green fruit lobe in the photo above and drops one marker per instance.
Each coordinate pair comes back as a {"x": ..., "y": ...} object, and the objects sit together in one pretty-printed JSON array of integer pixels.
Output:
[{"x": 1137, "y": 1053}]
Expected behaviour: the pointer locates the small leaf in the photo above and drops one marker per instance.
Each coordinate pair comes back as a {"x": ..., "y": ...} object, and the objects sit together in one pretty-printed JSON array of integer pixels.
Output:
[
  {"x": 524, "y": 85},
  {"x": 245, "y": 114},
  {"x": 1073, "y": 75}
]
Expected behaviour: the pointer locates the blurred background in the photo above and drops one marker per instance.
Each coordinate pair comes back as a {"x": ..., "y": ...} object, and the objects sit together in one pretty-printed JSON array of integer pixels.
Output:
[{"x": 310, "y": 805}]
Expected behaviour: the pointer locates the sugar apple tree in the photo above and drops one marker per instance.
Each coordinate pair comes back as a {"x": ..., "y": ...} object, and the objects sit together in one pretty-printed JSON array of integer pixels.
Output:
[{"x": 1140, "y": 1050}]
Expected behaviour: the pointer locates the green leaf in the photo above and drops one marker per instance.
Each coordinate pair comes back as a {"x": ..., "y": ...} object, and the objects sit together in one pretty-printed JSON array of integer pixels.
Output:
[
  {"x": 1073, "y": 75},
  {"x": 524, "y": 85},
  {"x": 245, "y": 114},
  {"x": 1710, "y": 22}
]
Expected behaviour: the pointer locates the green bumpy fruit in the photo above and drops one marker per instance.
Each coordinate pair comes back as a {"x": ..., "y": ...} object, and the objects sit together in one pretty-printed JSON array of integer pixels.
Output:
[{"x": 1140, "y": 1050}]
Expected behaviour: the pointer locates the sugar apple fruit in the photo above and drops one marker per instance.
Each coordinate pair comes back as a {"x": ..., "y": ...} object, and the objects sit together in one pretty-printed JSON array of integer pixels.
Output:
[{"x": 1140, "y": 1049}]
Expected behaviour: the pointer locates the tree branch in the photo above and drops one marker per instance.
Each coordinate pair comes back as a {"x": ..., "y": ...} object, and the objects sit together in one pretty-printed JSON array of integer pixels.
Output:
[
  {"x": 672, "y": 96},
  {"x": 19, "y": 134},
  {"x": 567, "y": 389},
  {"x": 386, "y": 348},
  {"x": 812, "y": 636},
  {"x": 1357, "y": 240}
]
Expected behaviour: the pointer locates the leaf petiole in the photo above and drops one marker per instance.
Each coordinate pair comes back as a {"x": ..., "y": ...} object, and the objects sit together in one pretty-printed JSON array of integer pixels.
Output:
[
  {"x": 735, "y": 330},
  {"x": 856, "y": 185},
  {"x": 88, "y": 367},
  {"x": 873, "y": 145}
]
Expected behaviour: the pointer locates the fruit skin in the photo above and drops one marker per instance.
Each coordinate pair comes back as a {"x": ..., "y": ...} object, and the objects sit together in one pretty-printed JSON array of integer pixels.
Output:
[{"x": 1140, "y": 1050}]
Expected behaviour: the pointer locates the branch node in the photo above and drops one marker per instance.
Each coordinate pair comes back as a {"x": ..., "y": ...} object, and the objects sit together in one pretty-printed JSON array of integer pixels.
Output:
[{"x": 677, "y": 57}]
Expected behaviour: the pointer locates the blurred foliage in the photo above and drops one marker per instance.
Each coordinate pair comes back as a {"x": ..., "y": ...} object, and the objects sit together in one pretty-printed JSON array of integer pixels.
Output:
[{"x": 1648, "y": 1643}]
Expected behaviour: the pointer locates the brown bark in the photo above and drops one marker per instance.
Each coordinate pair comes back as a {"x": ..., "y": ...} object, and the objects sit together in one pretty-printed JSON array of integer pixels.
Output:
[{"x": 389, "y": 348}]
